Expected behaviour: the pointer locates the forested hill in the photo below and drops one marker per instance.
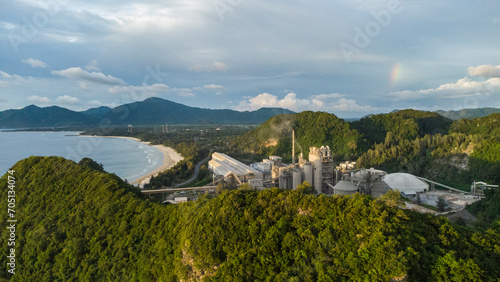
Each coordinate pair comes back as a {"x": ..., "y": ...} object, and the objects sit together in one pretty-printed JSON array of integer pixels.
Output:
[
  {"x": 274, "y": 137},
  {"x": 487, "y": 126},
  {"x": 76, "y": 222},
  {"x": 405, "y": 124}
]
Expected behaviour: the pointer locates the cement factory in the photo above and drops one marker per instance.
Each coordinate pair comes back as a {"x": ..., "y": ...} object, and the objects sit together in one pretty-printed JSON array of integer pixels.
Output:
[
  {"x": 318, "y": 170},
  {"x": 326, "y": 178}
]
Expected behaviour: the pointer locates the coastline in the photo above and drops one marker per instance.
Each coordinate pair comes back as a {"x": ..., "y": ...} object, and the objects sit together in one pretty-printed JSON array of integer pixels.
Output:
[{"x": 170, "y": 158}]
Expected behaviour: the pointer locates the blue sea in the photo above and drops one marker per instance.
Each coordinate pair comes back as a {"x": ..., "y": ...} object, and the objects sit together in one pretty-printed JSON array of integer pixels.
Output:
[{"x": 127, "y": 158}]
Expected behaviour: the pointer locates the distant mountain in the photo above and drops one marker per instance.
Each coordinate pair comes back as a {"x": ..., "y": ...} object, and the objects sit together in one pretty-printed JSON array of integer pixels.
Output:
[
  {"x": 468, "y": 113},
  {"x": 148, "y": 112},
  {"x": 160, "y": 111},
  {"x": 97, "y": 112},
  {"x": 33, "y": 116}
]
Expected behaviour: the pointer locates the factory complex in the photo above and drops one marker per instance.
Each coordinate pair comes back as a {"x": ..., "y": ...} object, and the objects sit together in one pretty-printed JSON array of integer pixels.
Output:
[
  {"x": 319, "y": 171},
  {"x": 329, "y": 179}
]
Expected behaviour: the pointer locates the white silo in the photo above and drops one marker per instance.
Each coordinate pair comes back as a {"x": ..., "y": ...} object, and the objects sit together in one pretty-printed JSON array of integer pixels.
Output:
[
  {"x": 315, "y": 158},
  {"x": 345, "y": 187},
  {"x": 297, "y": 177},
  {"x": 308, "y": 172}
]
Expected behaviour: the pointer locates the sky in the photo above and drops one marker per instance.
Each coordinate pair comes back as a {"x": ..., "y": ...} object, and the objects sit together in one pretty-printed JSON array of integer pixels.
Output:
[{"x": 346, "y": 57}]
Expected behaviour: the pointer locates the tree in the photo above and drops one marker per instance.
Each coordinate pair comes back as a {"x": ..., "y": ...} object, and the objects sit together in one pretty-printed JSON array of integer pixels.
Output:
[
  {"x": 246, "y": 186},
  {"x": 393, "y": 198},
  {"x": 90, "y": 163}
]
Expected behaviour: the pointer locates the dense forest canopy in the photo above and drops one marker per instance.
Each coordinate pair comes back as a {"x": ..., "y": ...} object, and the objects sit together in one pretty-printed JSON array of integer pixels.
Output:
[{"x": 79, "y": 223}]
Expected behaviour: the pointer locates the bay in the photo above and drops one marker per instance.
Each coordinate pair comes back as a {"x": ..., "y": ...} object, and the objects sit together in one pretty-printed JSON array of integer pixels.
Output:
[{"x": 127, "y": 158}]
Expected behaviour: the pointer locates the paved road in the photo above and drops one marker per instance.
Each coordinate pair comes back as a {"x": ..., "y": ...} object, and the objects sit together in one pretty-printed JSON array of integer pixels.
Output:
[
  {"x": 164, "y": 190},
  {"x": 195, "y": 175}
]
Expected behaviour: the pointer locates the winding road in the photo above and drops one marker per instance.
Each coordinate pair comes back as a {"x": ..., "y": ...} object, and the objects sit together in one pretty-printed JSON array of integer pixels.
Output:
[{"x": 195, "y": 175}]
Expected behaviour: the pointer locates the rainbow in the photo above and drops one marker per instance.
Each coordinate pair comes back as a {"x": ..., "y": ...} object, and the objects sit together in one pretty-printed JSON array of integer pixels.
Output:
[{"x": 395, "y": 74}]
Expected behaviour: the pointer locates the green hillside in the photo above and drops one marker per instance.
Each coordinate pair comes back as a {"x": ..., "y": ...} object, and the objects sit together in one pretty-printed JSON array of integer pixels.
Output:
[
  {"x": 486, "y": 126},
  {"x": 469, "y": 151},
  {"x": 274, "y": 137},
  {"x": 77, "y": 223},
  {"x": 405, "y": 124}
]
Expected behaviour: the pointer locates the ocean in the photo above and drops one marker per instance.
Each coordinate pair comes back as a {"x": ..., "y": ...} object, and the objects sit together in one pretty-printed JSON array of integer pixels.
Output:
[{"x": 127, "y": 158}]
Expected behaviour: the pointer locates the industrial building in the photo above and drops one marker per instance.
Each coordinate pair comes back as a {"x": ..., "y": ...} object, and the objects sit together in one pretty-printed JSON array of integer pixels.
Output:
[
  {"x": 264, "y": 167},
  {"x": 223, "y": 165},
  {"x": 409, "y": 185},
  {"x": 319, "y": 171}
]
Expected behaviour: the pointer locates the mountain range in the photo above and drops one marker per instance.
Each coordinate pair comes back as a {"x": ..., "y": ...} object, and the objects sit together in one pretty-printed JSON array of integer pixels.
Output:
[
  {"x": 468, "y": 113},
  {"x": 147, "y": 112},
  {"x": 160, "y": 111}
]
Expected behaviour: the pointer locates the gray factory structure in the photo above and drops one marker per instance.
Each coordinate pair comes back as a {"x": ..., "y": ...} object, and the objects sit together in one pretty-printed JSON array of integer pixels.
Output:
[
  {"x": 319, "y": 171},
  {"x": 223, "y": 166}
]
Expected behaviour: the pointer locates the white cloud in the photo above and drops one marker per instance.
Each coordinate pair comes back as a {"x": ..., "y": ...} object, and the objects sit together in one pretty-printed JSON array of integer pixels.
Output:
[
  {"x": 213, "y": 87},
  {"x": 183, "y": 92},
  {"x": 93, "y": 66},
  {"x": 35, "y": 63},
  {"x": 130, "y": 89},
  {"x": 323, "y": 102},
  {"x": 347, "y": 105},
  {"x": 462, "y": 88},
  {"x": 214, "y": 67},
  {"x": 95, "y": 103},
  {"x": 68, "y": 100},
  {"x": 79, "y": 74},
  {"x": 485, "y": 71},
  {"x": 7, "y": 25},
  {"x": 5, "y": 75},
  {"x": 39, "y": 100}
]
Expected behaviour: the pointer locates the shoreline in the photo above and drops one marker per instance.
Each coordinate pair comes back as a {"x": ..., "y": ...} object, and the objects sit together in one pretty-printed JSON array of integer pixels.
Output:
[{"x": 170, "y": 158}]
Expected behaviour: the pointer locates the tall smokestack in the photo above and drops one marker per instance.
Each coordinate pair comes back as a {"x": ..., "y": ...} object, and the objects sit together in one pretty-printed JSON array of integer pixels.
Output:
[{"x": 293, "y": 147}]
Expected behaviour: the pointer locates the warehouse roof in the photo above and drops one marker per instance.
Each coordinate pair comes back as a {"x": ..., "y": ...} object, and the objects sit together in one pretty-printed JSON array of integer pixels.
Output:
[
  {"x": 405, "y": 183},
  {"x": 222, "y": 164}
]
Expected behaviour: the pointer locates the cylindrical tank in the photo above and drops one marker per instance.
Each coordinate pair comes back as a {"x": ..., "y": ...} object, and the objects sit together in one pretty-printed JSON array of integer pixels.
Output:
[
  {"x": 297, "y": 177},
  {"x": 308, "y": 172},
  {"x": 289, "y": 181},
  {"x": 318, "y": 176},
  {"x": 283, "y": 178},
  {"x": 315, "y": 158}
]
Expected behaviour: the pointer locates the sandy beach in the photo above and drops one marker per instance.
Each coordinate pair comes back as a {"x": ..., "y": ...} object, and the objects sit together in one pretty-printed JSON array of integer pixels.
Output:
[{"x": 170, "y": 158}]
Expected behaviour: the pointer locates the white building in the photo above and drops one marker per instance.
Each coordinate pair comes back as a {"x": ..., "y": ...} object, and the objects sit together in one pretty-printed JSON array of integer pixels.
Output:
[
  {"x": 409, "y": 185},
  {"x": 224, "y": 165}
]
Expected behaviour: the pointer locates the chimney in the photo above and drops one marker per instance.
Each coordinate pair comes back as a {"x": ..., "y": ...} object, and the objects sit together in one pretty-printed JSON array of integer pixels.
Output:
[{"x": 293, "y": 147}]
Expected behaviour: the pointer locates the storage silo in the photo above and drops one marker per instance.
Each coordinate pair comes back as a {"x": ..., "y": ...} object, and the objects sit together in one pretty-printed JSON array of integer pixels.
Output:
[
  {"x": 283, "y": 177},
  {"x": 297, "y": 177},
  {"x": 345, "y": 187},
  {"x": 308, "y": 172},
  {"x": 315, "y": 158}
]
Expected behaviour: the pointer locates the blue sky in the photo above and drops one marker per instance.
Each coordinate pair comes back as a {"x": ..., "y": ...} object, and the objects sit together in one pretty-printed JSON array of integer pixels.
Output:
[{"x": 347, "y": 57}]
